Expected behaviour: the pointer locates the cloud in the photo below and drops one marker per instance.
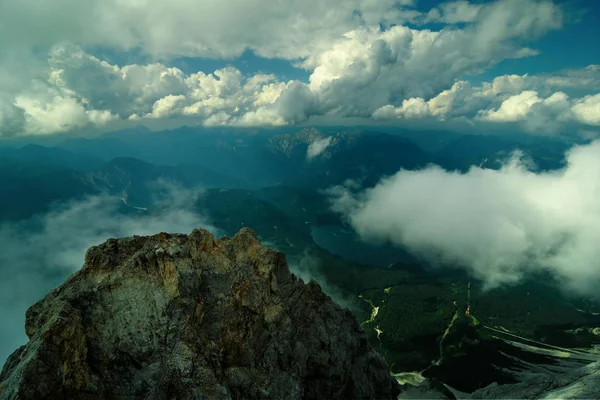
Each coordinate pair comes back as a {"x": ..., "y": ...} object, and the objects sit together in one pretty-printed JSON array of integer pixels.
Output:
[
  {"x": 48, "y": 111},
  {"x": 454, "y": 12},
  {"x": 40, "y": 253},
  {"x": 289, "y": 29},
  {"x": 587, "y": 110},
  {"x": 515, "y": 108},
  {"x": 317, "y": 147},
  {"x": 364, "y": 63},
  {"x": 81, "y": 90},
  {"x": 369, "y": 67},
  {"x": 541, "y": 104},
  {"x": 497, "y": 224},
  {"x": 414, "y": 107},
  {"x": 547, "y": 115}
]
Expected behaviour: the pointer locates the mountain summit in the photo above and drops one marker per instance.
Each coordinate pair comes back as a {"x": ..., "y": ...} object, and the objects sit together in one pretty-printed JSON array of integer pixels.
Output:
[{"x": 192, "y": 317}]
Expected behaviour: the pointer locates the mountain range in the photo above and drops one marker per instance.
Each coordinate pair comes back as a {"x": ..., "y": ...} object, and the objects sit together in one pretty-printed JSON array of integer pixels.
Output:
[
  {"x": 266, "y": 180},
  {"x": 125, "y": 162}
]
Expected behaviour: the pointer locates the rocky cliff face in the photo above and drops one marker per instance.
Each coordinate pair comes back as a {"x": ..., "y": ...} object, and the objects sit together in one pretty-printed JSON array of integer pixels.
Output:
[{"x": 192, "y": 317}]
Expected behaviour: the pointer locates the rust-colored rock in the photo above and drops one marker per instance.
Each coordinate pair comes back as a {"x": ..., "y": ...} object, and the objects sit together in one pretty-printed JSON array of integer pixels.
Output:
[{"x": 192, "y": 317}]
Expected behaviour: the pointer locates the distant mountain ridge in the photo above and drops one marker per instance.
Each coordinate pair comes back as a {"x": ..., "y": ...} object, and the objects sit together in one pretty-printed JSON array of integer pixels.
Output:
[
  {"x": 255, "y": 160},
  {"x": 252, "y": 159},
  {"x": 494, "y": 151},
  {"x": 50, "y": 156}
]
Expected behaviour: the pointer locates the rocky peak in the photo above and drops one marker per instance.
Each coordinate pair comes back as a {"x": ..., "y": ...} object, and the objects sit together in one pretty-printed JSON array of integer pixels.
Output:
[{"x": 192, "y": 317}]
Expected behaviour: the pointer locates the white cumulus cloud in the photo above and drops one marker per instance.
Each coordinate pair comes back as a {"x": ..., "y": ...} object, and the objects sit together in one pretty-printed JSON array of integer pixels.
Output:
[
  {"x": 541, "y": 104},
  {"x": 317, "y": 147},
  {"x": 515, "y": 108},
  {"x": 587, "y": 110},
  {"x": 497, "y": 224}
]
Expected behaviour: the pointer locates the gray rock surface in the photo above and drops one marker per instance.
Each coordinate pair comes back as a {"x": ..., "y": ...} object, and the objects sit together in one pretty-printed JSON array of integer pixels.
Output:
[
  {"x": 580, "y": 383},
  {"x": 192, "y": 317}
]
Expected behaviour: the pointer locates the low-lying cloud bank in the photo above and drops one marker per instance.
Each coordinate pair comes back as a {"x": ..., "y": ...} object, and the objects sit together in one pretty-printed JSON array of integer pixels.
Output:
[
  {"x": 498, "y": 224},
  {"x": 39, "y": 254}
]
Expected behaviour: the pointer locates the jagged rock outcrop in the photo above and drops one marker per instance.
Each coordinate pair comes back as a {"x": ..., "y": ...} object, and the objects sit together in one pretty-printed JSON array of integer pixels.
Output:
[{"x": 192, "y": 317}]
